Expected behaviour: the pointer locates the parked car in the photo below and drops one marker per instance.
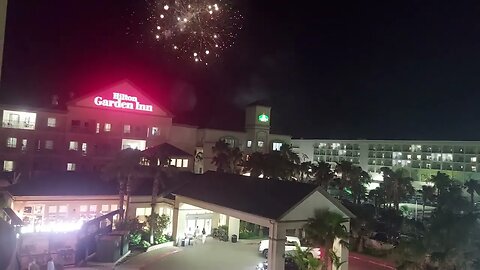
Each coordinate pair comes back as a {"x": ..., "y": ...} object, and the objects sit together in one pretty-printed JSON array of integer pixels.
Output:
[
  {"x": 290, "y": 245},
  {"x": 379, "y": 241},
  {"x": 289, "y": 265}
]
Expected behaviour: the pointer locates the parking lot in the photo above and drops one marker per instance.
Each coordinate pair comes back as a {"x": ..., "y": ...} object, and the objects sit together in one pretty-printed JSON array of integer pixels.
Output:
[{"x": 216, "y": 255}]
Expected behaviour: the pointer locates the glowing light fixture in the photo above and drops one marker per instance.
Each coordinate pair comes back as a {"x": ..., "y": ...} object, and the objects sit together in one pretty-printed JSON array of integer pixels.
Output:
[{"x": 263, "y": 118}]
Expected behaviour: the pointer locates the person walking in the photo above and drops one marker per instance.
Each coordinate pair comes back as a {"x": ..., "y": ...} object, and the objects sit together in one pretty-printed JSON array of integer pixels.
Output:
[
  {"x": 204, "y": 236},
  {"x": 50, "y": 264},
  {"x": 33, "y": 265}
]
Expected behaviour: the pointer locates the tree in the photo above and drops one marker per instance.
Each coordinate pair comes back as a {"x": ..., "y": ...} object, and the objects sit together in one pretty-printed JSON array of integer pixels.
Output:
[
  {"x": 397, "y": 185},
  {"x": 343, "y": 171},
  {"x": 472, "y": 186},
  {"x": 323, "y": 174},
  {"x": 324, "y": 228},
  {"x": 158, "y": 167},
  {"x": 125, "y": 168},
  {"x": 428, "y": 195},
  {"x": 442, "y": 182},
  {"x": 359, "y": 180},
  {"x": 303, "y": 259},
  {"x": 226, "y": 158},
  {"x": 254, "y": 164},
  {"x": 306, "y": 170}
]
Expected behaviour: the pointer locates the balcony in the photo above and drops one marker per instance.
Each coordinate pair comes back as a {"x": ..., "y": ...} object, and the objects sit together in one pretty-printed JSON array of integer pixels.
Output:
[{"x": 19, "y": 125}]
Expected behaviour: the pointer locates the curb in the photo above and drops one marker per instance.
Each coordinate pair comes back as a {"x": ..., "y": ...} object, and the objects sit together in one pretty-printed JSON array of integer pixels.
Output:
[{"x": 159, "y": 246}]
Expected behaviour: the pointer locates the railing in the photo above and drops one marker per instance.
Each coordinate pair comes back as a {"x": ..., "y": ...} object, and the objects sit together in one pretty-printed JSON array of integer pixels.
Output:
[{"x": 19, "y": 125}]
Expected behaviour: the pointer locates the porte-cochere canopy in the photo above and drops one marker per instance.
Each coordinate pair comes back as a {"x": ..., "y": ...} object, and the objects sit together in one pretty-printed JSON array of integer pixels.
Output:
[{"x": 278, "y": 205}]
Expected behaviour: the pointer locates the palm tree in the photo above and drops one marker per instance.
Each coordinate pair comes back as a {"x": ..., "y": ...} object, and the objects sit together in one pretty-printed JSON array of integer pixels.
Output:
[
  {"x": 358, "y": 183},
  {"x": 343, "y": 171},
  {"x": 397, "y": 185},
  {"x": 254, "y": 164},
  {"x": 226, "y": 158},
  {"x": 125, "y": 169},
  {"x": 442, "y": 182},
  {"x": 324, "y": 228},
  {"x": 158, "y": 168},
  {"x": 472, "y": 186},
  {"x": 305, "y": 170},
  {"x": 428, "y": 195},
  {"x": 323, "y": 174},
  {"x": 221, "y": 152}
]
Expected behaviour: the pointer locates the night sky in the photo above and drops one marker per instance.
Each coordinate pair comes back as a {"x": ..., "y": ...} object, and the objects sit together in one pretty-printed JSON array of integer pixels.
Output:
[{"x": 340, "y": 69}]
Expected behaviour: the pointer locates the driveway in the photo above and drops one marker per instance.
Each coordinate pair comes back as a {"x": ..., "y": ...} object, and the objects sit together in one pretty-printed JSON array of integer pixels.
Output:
[{"x": 216, "y": 255}]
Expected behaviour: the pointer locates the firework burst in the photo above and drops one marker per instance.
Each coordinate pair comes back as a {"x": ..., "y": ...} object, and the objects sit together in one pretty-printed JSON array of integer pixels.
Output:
[{"x": 198, "y": 30}]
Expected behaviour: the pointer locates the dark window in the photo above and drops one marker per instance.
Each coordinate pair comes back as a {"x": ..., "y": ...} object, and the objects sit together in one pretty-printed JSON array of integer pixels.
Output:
[
  {"x": 76, "y": 123},
  {"x": 86, "y": 124}
]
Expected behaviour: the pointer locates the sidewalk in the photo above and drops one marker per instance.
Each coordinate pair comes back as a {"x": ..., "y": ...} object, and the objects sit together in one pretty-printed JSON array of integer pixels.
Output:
[{"x": 140, "y": 261}]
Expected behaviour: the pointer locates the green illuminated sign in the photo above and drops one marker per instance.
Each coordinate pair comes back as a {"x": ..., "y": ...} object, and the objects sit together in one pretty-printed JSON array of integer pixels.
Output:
[{"x": 263, "y": 118}]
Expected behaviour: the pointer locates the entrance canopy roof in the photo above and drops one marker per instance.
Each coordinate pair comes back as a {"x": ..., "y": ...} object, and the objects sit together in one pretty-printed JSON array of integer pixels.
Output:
[{"x": 267, "y": 198}]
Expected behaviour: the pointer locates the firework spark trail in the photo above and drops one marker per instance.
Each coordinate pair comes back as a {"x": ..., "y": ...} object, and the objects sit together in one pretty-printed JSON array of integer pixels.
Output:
[{"x": 198, "y": 30}]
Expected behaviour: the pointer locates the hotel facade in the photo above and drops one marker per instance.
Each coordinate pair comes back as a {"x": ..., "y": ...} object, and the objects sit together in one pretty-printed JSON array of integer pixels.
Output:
[
  {"x": 422, "y": 159},
  {"x": 91, "y": 130},
  {"x": 79, "y": 139}
]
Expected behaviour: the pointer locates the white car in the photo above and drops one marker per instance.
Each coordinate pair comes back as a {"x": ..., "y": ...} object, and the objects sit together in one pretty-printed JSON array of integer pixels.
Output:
[{"x": 292, "y": 241}]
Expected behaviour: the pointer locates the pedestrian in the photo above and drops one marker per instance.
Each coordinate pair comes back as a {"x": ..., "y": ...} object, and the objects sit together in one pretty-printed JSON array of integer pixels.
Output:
[
  {"x": 50, "y": 264},
  {"x": 204, "y": 236},
  {"x": 33, "y": 265}
]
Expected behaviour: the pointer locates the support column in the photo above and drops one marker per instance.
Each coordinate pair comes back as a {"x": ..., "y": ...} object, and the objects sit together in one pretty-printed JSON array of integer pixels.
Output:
[
  {"x": 233, "y": 227},
  {"x": 175, "y": 222},
  {"x": 276, "y": 247},
  {"x": 341, "y": 251}
]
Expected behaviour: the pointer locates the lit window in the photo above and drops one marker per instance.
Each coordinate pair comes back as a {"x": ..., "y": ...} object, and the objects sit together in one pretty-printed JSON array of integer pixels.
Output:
[
  {"x": 185, "y": 163},
  {"x": 179, "y": 163},
  {"x": 11, "y": 142},
  {"x": 105, "y": 207},
  {"x": 52, "y": 209},
  {"x": 249, "y": 143},
  {"x": 97, "y": 129},
  {"x": 62, "y": 209},
  {"x": 143, "y": 211},
  {"x": 126, "y": 128},
  {"x": 7, "y": 165},
  {"x": 84, "y": 148},
  {"x": 93, "y": 208},
  {"x": 51, "y": 122},
  {"x": 107, "y": 127},
  {"x": 409, "y": 156},
  {"x": 229, "y": 141},
  {"x": 73, "y": 145},
  {"x": 260, "y": 143},
  {"x": 155, "y": 131},
  {"x": 83, "y": 208},
  {"x": 172, "y": 162},
  {"x": 429, "y": 166},
  {"x": 276, "y": 146},
  {"x": 474, "y": 168},
  {"x": 473, "y": 159},
  {"x": 17, "y": 119},
  {"x": 24, "y": 144},
  {"x": 71, "y": 167},
  {"x": 113, "y": 207},
  {"x": 49, "y": 144},
  {"x": 419, "y": 157},
  {"x": 134, "y": 144}
]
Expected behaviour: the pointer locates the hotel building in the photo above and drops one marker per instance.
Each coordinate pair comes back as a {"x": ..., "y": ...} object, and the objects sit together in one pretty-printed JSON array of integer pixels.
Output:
[
  {"x": 422, "y": 159},
  {"x": 90, "y": 130},
  {"x": 74, "y": 142}
]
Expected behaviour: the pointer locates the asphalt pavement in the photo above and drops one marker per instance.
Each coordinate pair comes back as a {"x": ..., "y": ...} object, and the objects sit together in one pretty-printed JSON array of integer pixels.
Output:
[{"x": 216, "y": 255}]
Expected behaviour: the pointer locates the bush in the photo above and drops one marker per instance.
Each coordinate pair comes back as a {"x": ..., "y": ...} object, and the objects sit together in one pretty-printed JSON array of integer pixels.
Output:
[{"x": 221, "y": 233}]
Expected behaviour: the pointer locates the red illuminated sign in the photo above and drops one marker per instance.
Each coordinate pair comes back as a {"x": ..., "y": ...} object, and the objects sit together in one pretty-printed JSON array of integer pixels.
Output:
[{"x": 123, "y": 101}]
